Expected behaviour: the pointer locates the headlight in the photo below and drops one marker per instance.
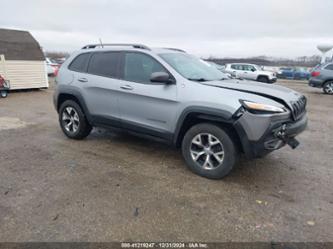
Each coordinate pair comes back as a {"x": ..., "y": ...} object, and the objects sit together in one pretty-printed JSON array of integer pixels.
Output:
[{"x": 261, "y": 107}]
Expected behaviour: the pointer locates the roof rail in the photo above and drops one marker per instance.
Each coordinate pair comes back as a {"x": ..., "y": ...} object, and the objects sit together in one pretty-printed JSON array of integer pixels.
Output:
[
  {"x": 176, "y": 49},
  {"x": 99, "y": 45}
]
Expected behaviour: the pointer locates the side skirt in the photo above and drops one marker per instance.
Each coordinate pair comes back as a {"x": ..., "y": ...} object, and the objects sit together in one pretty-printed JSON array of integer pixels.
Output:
[{"x": 134, "y": 129}]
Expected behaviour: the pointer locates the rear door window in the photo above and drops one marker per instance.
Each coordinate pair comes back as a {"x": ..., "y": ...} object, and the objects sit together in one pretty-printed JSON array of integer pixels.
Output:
[
  {"x": 80, "y": 63},
  {"x": 237, "y": 67},
  {"x": 105, "y": 64}
]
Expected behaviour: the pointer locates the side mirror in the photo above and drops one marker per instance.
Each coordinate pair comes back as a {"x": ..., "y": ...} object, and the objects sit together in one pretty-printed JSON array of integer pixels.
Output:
[
  {"x": 253, "y": 70},
  {"x": 161, "y": 77}
]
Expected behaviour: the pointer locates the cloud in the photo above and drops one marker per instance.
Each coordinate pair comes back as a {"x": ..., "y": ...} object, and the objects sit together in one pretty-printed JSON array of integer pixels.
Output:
[{"x": 223, "y": 27}]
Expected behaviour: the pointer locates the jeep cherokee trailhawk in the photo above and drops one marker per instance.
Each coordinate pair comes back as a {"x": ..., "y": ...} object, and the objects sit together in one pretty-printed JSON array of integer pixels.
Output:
[{"x": 177, "y": 98}]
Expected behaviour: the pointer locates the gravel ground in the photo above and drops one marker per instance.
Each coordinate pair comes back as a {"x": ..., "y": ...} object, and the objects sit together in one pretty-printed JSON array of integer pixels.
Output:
[{"x": 115, "y": 187}]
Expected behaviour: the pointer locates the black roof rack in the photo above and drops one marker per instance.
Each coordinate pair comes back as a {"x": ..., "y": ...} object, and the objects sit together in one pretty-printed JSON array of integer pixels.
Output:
[
  {"x": 99, "y": 45},
  {"x": 176, "y": 49}
]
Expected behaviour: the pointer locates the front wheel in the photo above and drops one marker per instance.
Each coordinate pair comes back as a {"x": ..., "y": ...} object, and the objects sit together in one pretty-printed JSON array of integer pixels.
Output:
[
  {"x": 209, "y": 151},
  {"x": 73, "y": 121},
  {"x": 328, "y": 87},
  {"x": 263, "y": 79}
]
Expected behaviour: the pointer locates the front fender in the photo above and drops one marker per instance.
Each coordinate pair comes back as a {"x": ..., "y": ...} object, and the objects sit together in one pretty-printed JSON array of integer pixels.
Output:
[{"x": 206, "y": 113}]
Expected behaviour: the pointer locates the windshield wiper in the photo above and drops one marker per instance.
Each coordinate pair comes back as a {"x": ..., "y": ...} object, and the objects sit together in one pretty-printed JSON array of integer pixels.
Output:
[{"x": 198, "y": 79}]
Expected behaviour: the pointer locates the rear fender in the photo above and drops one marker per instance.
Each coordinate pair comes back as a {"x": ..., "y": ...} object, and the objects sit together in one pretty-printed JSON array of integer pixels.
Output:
[{"x": 66, "y": 92}]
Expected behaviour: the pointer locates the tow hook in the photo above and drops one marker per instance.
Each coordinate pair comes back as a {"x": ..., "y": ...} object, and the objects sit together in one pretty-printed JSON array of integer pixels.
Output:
[
  {"x": 293, "y": 143},
  {"x": 281, "y": 134}
]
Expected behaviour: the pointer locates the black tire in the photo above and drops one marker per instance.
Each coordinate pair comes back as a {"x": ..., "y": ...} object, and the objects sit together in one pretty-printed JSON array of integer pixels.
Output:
[
  {"x": 263, "y": 79},
  {"x": 83, "y": 127},
  {"x": 230, "y": 151},
  {"x": 328, "y": 87},
  {"x": 4, "y": 93}
]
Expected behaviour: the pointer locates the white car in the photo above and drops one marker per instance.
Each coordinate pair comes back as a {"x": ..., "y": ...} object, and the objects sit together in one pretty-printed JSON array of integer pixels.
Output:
[
  {"x": 52, "y": 68},
  {"x": 219, "y": 67},
  {"x": 250, "y": 72}
]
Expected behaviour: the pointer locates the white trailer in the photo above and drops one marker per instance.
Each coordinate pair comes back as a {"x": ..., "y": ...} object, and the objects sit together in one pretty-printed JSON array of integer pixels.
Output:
[{"x": 22, "y": 61}]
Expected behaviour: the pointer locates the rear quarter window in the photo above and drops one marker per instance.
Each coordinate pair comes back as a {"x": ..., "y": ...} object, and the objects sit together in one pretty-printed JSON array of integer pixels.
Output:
[{"x": 80, "y": 63}]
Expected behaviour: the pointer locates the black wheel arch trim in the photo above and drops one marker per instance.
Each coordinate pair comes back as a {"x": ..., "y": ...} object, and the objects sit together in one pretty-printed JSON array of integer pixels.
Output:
[
  {"x": 205, "y": 113},
  {"x": 262, "y": 75},
  {"x": 326, "y": 81},
  {"x": 76, "y": 94}
]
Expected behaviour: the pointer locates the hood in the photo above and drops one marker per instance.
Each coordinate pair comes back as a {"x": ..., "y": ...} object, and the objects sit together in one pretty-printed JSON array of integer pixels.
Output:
[{"x": 280, "y": 94}]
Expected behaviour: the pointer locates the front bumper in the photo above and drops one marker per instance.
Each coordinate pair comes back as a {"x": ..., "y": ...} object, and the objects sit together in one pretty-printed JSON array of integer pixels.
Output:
[
  {"x": 272, "y": 80},
  {"x": 261, "y": 135}
]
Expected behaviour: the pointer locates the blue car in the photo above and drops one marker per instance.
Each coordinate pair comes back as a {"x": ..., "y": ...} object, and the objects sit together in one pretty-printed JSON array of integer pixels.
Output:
[{"x": 293, "y": 73}]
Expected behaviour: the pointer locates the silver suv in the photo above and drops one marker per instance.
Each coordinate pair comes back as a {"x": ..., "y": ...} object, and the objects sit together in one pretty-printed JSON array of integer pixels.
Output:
[
  {"x": 174, "y": 97},
  {"x": 322, "y": 77},
  {"x": 250, "y": 72}
]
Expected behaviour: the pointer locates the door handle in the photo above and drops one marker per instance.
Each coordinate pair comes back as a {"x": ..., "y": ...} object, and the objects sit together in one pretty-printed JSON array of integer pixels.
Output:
[
  {"x": 83, "y": 80},
  {"x": 127, "y": 87}
]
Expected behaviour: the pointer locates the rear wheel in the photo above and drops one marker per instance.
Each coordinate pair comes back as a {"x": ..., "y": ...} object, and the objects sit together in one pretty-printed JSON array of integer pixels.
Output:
[
  {"x": 209, "y": 151},
  {"x": 328, "y": 87},
  {"x": 4, "y": 94},
  {"x": 73, "y": 121},
  {"x": 263, "y": 79}
]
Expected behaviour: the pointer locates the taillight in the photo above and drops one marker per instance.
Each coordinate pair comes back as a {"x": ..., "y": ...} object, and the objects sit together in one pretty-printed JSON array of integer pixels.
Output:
[
  {"x": 315, "y": 74},
  {"x": 56, "y": 71}
]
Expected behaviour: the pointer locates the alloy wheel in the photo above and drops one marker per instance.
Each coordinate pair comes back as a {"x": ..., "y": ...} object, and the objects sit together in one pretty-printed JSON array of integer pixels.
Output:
[
  {"x": 207, "y": 151},
  {"x": 70, "y": 119},
  {"x": 329, "y": 87}
]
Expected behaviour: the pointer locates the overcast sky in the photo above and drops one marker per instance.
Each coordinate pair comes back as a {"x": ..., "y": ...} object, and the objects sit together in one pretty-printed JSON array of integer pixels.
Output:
[{"x": 239, "y": 28}]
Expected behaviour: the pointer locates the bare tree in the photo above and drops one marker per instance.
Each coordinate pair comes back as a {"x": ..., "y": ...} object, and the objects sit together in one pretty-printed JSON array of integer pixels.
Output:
[
  {"x": 56, "y": 54},
  {"x": 302, "y": 61}
]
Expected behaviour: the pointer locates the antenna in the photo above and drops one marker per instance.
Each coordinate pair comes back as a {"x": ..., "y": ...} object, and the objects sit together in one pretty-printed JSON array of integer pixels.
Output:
[
  {"x": 100, "y": 41},
  {"x": 324, "y": 48}
]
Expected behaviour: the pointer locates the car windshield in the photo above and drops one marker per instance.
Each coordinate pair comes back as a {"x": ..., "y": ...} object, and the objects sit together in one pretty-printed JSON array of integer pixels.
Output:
[{"x": 192, "y": 67}]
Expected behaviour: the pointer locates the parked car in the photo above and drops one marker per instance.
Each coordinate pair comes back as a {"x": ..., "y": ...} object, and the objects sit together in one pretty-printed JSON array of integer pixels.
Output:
[
  {"x": 176, "y": 98},
  {"x": 59, "y": 61},
  {"x": 293, "y": 73},
  {"x": 322, "y": 77},
  {"x": 52, "y": 67},
  {"x": 250, "y": 72}
]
